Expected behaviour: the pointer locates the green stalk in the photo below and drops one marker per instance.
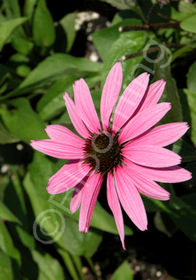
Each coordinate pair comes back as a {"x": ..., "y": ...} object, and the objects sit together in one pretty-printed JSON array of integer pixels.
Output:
[
  {"x": 78, "y": 264},
  {"x": 91, "y": 265},
  {"x": 69, "y": 264}
]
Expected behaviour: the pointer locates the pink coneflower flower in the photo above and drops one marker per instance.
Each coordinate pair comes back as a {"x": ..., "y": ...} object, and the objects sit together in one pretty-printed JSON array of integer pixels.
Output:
[{"x": 125, "y": 148}]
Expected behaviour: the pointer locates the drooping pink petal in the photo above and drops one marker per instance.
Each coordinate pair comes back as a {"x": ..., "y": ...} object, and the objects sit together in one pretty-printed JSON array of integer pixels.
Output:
[
  {"x": 144, "y": 120},
  {"x": 57, "y": 150},
  {"x": 147, "y": 187},
  {"x": 89, "y": 199},
  {"x": 162, "y": 135},
  {"x": 151, "y": 156},
  {"x": 115, "y": 207},
  {"x": 61, "y": 134},
  {"x": 77, "y": 195},
  {"x": 85, "y": 106},
  {"x": 151, "y": 189},
  {"x": 130, "y": 198},
  {"x": 68, "y": 177},
  {"x": 153, "y": 94},
  {"x": 130, "y": 100},
  {"x": 74, "y": 116},
  {"x": 173, "y": 174},
  {"x": 110, "y": 93}
]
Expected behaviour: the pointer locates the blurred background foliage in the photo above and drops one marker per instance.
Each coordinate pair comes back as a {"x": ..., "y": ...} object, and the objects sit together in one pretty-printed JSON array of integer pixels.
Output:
[{"x": 44, "y": 47}]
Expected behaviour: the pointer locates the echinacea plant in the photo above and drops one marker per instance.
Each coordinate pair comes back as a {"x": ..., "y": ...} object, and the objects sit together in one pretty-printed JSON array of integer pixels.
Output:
[{"x": 126, "y": 147}]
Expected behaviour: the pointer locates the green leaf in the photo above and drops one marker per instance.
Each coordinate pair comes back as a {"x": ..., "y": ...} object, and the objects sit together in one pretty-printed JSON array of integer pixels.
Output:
[
  {"x": 185, "y": 150},
  {"x": 191, "y": 166},
  {"x": 81, "y": 244},
  {"x": 123, "y": 272},
  {"x": 186, "y": 214},
  {"x": 22, "y": 121},
  {"x": 41, "y": 169},
  {"x": 7, "y": 27},
  {"x": 15, "y": 200},
  {"x": 122, "y": 5},
  {"x": 191, "y": 97},
  {"x": 29, "y": 8},
  {"x": 6, "y": 214},
  {"x": 68, "y": 25},
  {"x": 4, "y": 181},
  {"x": 191, "y": 82},
  {"x": 21, "y": 43},
  {"x": 12, "y": 8},
  {"x": 163, "y": 206},
  {"x": 177, "y": 15},
  {"x": 106, "y": 37},
  {"x": 4, "y": 73},
  {"x": 5, "y": 267},
  {"x": 23, "y": 70},
  {"x": 149, "y": 205},
  {"x": 164, "y": 224},
  {"x": 19, "y": 40},
  {"x": 43, "y": 26},
  {"x": 6, "y": 136},
  {"x": 48, "y": 226},
  {"x": 19, "y": 58},
  {"x": 188, "y": 24},
  {"x": 186, "y": 7},
  {"x": 49, "y": 267},
  {"x": 52, "y": 102},
  {"x": 104, "y": 221},
  {"x": 58, "y": 65},
  {"x": 182, "y": 52},
  {"x": 96, "y": 95},
  {"x": 24, "y": 237},
  {"x": 128, "y": 43},
  {"x": 162, "y": 70},
  {"x": 6, "y": 243}
]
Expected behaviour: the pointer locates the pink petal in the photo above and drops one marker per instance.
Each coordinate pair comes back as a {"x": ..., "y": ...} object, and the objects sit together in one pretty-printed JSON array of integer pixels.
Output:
[
  {"x": 89, "y": 199},
  {"x": 85, "y": 106},
  {"x": 57, "y": 150},
  {"x": 114, "y": 204},
  {"x": 153, "y": 94},
  {"x": 77, "y": 195},
  {"x": 68, "y": 176},
  {"x": 74, "y": 116},
  {"x": 151, "y": 156},
  {"x": 110, "y": 93},
  {"x": 144, "y": 120},
  {"x": 130, "y": 100},
  {"x": 61, "y": 134},
  {"x": 162, "y": 135},
  {"x": 130, "y": 198},
  {"x": 151, "y": 189},
  {"x": 147, "y": 187},
  {"x": 174, "y": 174}
]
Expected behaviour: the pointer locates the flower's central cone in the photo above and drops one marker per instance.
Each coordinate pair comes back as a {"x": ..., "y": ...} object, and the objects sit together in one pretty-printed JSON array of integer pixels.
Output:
[{"x": 103, "y": 152}]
